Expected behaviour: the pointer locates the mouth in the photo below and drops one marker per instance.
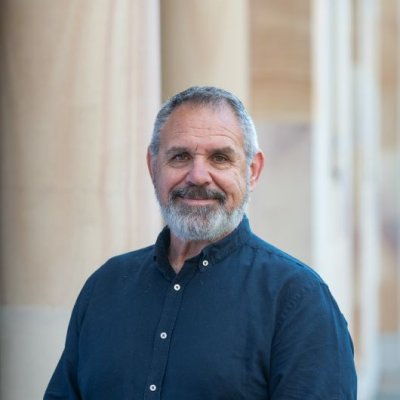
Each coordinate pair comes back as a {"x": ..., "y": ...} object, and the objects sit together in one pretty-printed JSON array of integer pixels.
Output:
[
  {"x": 197, "y": 202},
  {"x": 197, "y": 196}
]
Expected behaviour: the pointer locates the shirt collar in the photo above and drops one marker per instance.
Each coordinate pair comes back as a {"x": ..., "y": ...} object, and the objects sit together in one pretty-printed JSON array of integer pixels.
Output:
[{"x": 213, "y": 253}]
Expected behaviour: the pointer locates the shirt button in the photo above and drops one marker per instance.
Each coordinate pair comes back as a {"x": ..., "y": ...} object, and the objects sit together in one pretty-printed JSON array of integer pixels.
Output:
[
  {"x": 205, "y": 263},
  {"x": 163, "y": 335},
  {"x": 177, "y": 287},
  {"x": 153, "y": 388}
]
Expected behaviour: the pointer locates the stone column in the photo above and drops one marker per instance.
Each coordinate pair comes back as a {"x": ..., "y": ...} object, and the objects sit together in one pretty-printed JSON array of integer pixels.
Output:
[
  {"x": 80, "y": 88},
  {"x": 367, "y": 165},
  {"x": 397, "y": 170},
  {"x": 390, "y": 191},
  {"x": 332, "y": 149},
  {"x": 204, "y": 43},
  {"x": 346, "y": 167}
]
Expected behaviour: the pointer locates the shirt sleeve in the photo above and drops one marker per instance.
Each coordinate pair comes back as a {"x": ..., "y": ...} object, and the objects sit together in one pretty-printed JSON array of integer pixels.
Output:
[
  {"x": 312, "y": 353},
  {"x": 63, "y": 384}
]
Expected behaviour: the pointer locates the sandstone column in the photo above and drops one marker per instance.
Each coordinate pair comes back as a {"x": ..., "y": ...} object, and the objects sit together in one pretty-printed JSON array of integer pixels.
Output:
[
  {"x": 80, "y": 88},
  {"x": 333, "y": 149},
  {"x": 368, "y": 215},
  {"x": 345, "y": 166},
  {"x": 204, "y": 43}
]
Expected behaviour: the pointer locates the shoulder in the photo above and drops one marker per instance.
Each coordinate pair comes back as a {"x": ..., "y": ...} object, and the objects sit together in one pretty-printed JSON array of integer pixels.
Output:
[
  {"x": 297, "y": 291},
  {"x": 117, "y": 267},
  {"x": 111, "y": 273},
  {"x": 281, "y": 266},
  {"x": 290, "y": 284},
  {"x": 124, "y": 263}
]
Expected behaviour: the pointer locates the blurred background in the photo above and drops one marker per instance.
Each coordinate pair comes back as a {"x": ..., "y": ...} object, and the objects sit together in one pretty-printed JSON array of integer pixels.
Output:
[{"x": 81, "y": 82}]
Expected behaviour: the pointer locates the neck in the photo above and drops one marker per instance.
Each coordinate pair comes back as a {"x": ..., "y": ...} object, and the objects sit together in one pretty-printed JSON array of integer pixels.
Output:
[{"x": 181, "y": 250}]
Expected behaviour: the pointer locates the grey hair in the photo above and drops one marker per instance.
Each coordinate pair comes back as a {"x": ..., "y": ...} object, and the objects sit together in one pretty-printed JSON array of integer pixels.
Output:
[{"x": 208, "y": 96}]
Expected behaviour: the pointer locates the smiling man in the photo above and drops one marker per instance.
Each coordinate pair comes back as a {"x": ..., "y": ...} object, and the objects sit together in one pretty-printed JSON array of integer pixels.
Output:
[
  {"x": 202, "y": 175},
  {"x": 210, "y": 311}
]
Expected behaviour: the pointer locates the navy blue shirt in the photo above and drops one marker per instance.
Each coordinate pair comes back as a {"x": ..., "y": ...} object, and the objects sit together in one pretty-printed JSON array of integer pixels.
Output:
[{"x": 242, "y": 320}]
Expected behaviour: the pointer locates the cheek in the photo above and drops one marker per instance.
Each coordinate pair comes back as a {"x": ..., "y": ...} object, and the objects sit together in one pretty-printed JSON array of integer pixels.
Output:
[
  {"x": 168, "y": 180},
  {"x": 234, "y": 184}
]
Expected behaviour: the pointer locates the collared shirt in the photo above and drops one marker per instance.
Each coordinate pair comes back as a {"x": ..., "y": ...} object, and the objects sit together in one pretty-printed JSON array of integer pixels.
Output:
[{"x": 242, "y": 320}]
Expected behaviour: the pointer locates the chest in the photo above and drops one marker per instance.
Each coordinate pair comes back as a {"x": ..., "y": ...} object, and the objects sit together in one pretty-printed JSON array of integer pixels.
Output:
[{"x": 186, "y": 339}]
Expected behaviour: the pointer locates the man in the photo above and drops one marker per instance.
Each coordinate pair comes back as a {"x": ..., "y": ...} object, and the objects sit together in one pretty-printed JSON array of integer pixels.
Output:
[{"x": 210, "y": 311}]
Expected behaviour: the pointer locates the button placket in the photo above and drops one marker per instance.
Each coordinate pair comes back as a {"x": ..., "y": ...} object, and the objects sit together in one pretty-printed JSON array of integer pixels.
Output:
[{"x": 162, "y": 340}]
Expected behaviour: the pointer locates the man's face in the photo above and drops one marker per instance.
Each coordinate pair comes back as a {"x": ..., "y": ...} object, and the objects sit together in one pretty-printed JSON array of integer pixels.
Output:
[{"x": 200, "y": 174}]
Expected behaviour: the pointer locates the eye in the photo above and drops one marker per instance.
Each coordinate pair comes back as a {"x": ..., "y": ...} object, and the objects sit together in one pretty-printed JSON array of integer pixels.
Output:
[
  {"x": 180, "y": 157},
  {"x": 220, "y": 158}
]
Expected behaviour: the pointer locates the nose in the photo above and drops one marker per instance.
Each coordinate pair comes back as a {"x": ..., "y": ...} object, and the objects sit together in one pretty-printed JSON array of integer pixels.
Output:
[{"x": 198, "y": 174}]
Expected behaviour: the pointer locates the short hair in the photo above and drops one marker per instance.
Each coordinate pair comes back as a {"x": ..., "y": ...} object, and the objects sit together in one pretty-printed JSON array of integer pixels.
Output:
[{"x": 207, "y": 96}]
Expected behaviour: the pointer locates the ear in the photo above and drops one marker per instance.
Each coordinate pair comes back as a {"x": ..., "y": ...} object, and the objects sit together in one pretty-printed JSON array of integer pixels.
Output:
[
  {"x": 150, "y": 163},
  {"x": 256, "y": 166}
]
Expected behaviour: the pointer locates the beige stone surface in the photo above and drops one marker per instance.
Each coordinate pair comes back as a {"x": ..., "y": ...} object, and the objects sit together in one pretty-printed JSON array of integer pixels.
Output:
[
  {"x": 204, "y": 43},
  {"x": 280, "y": 209},
  {"x": 390, "y": 188},
  {"x": 280, "y": 59},
  {"x": 80, "y": 88},
  {"x": 31, "y": 341}
]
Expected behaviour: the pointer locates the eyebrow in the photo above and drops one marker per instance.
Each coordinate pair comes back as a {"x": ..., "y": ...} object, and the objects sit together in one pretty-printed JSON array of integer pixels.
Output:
[
  {"x": 223, "y": 150},
  {"x": 176, "y": 150},
  {"x": 229, "y": 151}
]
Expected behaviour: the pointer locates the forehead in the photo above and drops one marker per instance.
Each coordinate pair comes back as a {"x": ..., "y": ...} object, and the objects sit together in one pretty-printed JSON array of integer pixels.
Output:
[{"x": 192, "y": 123}]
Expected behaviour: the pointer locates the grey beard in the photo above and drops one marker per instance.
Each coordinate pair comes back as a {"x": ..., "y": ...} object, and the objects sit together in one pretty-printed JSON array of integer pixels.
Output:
[{"x": 202, "y": 223}]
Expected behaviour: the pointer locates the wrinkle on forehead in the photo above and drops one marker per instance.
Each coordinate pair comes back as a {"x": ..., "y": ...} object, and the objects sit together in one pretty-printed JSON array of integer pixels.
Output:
[
  {"x": 213, "y": 129},
  {"x": 201, "y": 114},
  {"x": 200, "y": 123},
  {"x": 194, "y": 139}
]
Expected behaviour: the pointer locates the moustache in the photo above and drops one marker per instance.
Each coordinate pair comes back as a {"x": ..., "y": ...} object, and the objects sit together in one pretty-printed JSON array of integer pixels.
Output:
[{"x": 198, "y": 193}]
